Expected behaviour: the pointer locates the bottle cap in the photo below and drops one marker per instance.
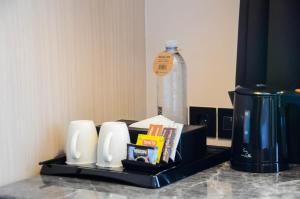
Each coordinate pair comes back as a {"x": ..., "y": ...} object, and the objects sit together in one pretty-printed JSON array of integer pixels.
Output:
[{"x": 171, "y": 44}]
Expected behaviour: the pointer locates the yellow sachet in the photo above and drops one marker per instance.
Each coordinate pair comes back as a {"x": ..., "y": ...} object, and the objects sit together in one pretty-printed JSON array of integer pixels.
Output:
[{"x": 149, "y": 140}]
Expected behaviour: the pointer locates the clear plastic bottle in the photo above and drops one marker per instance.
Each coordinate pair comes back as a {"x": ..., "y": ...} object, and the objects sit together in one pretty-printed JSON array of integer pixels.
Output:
[{"x": 171, "y": 88}]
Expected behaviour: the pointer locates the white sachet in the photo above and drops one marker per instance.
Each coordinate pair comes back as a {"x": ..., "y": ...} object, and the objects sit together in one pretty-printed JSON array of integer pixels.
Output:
[
  {"x": 178, "y": 132},
  {"x": 159, "y": 119}
]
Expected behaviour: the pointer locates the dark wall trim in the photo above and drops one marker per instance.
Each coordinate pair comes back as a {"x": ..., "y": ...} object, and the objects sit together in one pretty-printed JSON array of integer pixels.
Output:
[{"x": 252, "y": 42}]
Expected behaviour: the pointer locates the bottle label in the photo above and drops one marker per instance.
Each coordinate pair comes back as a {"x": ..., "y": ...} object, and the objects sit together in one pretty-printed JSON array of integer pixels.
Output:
[{"x": 163, "y": 63}]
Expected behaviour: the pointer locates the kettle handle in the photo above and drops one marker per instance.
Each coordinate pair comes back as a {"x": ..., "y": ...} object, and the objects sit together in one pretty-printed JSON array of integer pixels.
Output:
[{"x": 291, "y": 98}]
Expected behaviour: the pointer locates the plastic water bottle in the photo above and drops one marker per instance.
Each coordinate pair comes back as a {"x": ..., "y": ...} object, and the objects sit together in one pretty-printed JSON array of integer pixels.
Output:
[{"x": 171, "y": 87}]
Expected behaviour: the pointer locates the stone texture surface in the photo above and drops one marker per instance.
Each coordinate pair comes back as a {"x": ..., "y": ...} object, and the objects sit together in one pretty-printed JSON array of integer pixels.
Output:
[{"x": 217, "y": 182}]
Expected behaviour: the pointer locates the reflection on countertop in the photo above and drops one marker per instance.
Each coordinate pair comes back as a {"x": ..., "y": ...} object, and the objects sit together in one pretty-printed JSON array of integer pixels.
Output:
[{"x": 217, "y": 182}]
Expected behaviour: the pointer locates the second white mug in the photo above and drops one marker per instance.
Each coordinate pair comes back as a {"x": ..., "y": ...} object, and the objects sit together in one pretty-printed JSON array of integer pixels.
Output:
[{"x": 112, "y": 144}]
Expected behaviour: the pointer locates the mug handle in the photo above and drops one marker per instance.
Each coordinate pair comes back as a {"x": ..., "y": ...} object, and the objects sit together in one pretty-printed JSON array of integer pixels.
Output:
[
  {"x": 106, "y": 155},
  {"x": 74, "y": 153}
]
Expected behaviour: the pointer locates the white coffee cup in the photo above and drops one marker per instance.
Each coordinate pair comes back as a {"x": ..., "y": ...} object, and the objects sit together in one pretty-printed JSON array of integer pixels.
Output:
[
  {"x": 81, "y": 147},
  {"x": 112, "y": 144}
]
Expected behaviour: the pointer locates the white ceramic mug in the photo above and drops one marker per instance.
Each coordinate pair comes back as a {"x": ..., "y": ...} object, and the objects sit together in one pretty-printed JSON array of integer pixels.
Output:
[
  {"x": 81, "y": 147},
  {"x": 112, "y": 144}
]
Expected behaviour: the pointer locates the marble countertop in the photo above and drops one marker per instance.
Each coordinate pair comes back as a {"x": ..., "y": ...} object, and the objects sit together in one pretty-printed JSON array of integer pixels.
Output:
[{"x": 217, "y": 182}]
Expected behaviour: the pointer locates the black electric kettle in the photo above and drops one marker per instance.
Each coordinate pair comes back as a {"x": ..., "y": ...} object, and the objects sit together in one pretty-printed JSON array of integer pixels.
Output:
[{"x": 259, "y": 142}]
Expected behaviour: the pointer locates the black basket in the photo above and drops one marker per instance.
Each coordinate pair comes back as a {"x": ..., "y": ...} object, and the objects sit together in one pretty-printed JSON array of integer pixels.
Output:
[
  {"x": 150, "y": 168},
  {"x": 131, "y": 165}
]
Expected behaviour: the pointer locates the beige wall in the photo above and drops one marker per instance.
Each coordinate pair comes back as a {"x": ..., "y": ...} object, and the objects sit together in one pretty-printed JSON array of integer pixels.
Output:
[
  {"x": 207, "y": 34},
  {"x": 63, "y": 60}
]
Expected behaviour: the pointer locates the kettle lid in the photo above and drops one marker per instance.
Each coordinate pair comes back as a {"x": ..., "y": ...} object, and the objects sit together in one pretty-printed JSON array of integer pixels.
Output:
[{"x": 258, "y": 89}]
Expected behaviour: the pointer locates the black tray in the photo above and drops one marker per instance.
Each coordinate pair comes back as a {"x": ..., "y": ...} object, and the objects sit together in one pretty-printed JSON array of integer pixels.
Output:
[{"x": 214, "y": 156}]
